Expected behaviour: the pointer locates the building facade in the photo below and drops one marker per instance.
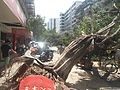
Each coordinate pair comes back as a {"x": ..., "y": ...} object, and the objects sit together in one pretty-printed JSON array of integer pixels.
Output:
[
  {"x": 57, "y": 25},
  {"x": 13, "y": 19},
  {"x": 28, "y": 7},
  {"x": 53, "y": 24},
  {"x": 67, "y": 19},
  {"x": 85, "y": 8}
]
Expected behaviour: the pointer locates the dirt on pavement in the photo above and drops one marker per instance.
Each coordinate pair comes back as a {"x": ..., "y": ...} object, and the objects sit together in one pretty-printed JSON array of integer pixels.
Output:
[{"x": 79, "y": 79}]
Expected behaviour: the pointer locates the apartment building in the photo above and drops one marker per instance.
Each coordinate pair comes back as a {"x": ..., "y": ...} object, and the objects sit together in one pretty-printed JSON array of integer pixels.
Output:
[
  {"x": 85, "y": 8},
  {"x": 28, "y": 7},
  {"x": 67, "y": 19},
  {"x": 53, "y": 24}
]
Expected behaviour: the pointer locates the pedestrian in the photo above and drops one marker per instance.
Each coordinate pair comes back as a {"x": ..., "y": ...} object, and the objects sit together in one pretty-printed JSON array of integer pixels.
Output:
[{"x": 6, "y": 49}]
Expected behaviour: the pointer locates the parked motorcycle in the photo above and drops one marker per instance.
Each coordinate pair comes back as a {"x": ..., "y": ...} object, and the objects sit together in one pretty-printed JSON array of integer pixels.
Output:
[
  {"x": 46, "y": 55},
  {"x": 40, "y": 48},
  {"x": 36, "y": 49}
]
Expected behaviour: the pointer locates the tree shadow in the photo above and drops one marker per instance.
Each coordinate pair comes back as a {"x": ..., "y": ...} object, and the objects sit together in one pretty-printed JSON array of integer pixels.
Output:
[{"x": 93, "y": 81}]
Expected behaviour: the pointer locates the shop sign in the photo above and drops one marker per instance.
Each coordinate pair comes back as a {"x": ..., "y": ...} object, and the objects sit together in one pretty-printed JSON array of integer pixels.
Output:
[{"x": 36, "y": 82}]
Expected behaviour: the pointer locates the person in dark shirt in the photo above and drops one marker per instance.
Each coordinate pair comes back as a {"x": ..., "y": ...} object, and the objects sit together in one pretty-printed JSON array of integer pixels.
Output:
[{"x": 5, "y": 48}]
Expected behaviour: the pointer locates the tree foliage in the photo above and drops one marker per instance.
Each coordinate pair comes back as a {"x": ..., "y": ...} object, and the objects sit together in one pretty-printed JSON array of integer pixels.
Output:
[
  {"x": 100, "y": 14},
  {"x": 37, "y": 26}
]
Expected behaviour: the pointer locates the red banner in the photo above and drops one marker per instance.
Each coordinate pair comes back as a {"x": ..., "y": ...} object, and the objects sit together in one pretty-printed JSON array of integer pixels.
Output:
[{"x": 21, "y": 32}]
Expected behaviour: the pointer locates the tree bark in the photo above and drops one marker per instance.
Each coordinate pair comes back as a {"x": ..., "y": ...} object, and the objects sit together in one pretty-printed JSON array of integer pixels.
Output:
[
  {"x": 72, "y": 55},
  {"x": 79, "y": 47}
]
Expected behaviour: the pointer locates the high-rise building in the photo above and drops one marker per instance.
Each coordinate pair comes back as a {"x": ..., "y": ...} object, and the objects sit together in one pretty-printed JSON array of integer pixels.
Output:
[
  {"x": 53, "y": 24},
  {"x": 85, "y": 8},
  {"x": 28, "y": 7},
  {"x": 57, "y": 25},
  {"x": 67, "y": 19}
]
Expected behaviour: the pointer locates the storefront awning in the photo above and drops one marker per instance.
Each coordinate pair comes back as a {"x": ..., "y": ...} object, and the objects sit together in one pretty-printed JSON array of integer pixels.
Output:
[{"x": 11, "y": 12}]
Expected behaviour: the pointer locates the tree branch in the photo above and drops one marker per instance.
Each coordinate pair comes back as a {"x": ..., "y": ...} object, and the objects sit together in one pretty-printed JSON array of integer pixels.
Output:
[
  {"x": 110, "y": 36},
  {"x": 116, "y": 47},
  {"x": 107, "y": 32},
  {"x": 108, "y": 26}
]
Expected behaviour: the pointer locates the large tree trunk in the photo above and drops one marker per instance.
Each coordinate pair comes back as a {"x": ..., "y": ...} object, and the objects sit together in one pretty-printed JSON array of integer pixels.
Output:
[
  {"x": 79, "y": 47},
  {"x": 71, "y": 55}
]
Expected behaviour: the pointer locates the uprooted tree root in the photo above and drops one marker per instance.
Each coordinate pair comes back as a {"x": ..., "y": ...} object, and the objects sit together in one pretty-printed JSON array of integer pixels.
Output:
[{"x": 31, "y": 68}]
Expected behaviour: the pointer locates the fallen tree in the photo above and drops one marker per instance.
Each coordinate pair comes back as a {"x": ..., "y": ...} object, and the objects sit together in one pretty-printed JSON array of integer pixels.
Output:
[
  {"x": 73, "y": 53},
  {"x": 81, "y": 46}
]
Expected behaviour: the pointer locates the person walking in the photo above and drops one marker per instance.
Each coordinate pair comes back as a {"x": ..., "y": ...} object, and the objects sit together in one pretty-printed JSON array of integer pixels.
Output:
[{"x": 6, "y": 49}]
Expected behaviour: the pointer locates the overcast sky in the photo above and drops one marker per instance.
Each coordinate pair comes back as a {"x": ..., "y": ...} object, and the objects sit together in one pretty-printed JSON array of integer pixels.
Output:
[{"x": 52, "y": 8}]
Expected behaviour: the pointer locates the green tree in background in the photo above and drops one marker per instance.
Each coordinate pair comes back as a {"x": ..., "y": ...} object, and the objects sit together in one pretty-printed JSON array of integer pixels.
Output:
[
  {"x": 96, "y": 18},
  {"x": 100, "y": 15},
  {"x": 37, "y": 26}
]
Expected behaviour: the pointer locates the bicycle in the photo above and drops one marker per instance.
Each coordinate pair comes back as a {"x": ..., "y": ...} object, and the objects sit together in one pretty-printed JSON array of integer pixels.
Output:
[
  {"x": 111, "y": 66},
  {"x": 111, "y": 63}
]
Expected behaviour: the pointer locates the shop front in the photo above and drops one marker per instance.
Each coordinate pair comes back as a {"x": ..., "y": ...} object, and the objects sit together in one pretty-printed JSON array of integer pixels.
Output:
[
  {"x": 11, "y": 16},
  {"x": 5, "y": 33},
  {"x": 20, "y": 37}
]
